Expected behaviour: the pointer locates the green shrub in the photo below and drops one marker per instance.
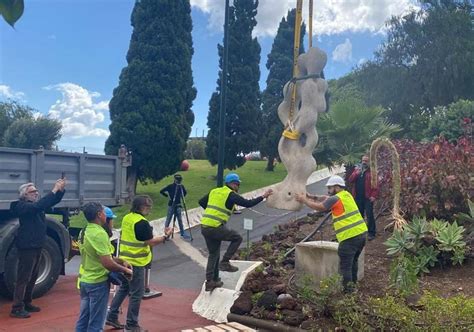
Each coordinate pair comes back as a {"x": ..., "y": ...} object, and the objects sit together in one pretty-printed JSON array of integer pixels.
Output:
[{"x": 403, "y": 275}]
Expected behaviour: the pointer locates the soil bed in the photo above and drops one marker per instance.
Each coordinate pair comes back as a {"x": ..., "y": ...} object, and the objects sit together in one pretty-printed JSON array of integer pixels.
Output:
[{"x": 261, "y": 288}]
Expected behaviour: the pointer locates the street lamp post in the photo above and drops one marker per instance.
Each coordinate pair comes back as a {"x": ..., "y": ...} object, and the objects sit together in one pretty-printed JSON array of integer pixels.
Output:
[{"x": 220, "y": 158}]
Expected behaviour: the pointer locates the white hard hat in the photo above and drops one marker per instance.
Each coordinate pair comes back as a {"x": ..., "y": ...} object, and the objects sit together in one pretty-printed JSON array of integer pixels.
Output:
[{"x": 336, "y": 180}]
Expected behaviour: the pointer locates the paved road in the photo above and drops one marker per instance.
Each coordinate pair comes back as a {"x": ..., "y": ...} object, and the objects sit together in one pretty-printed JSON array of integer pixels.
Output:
[{"x": 172, "y": 268}]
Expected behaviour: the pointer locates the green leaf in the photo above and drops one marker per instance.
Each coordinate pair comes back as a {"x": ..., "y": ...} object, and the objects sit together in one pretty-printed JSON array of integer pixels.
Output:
[
  {"x": 450, "y": 238},
  {"x": 399, "y": 242},
  {"x": 11, "y": 10}
]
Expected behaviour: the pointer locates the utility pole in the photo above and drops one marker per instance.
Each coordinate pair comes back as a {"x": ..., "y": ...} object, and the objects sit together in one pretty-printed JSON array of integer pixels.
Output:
[{"x": 220, "y": 158}]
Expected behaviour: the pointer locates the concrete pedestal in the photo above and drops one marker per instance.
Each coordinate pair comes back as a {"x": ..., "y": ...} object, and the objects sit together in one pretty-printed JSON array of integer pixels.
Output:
[{"x": 319, "y": 260}]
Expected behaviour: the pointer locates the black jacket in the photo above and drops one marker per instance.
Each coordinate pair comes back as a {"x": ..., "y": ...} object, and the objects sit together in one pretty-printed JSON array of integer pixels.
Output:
[
  {"x": 170, "y": 192},
  {"x": 32, "y": 231},
  {"x": 233, "y": 199}
]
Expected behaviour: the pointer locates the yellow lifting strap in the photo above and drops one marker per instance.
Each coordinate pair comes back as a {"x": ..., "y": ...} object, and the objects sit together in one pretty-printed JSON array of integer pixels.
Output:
[{"x": 289, "y": 131}]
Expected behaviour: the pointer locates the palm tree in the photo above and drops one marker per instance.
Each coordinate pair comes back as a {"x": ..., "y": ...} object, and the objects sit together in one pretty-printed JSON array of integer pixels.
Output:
[{"x": 346, "y": 132}]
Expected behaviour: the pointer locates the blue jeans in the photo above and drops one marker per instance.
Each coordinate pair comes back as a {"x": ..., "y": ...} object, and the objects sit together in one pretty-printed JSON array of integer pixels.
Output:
[
  {"x": 94, "y": 298},
  {"x": 135, "y": 288},
  {"x": 177, "y": 212}
]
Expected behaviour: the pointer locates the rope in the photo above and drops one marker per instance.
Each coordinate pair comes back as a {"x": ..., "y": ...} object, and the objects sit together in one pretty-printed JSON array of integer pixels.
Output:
[
  {"x": 270, "y": 215},
  {"x": 398, "y": 220},
  {"x": 296, "y": 52},
  {"x": 301, "y": 78},
  {"x": 310, "y": 23}
]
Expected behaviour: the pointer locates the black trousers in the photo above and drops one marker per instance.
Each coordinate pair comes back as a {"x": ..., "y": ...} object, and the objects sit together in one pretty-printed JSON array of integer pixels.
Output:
[
  {"x": 349, "y": 251},
  {"x": 214, "y": 236},
  {"x": 27, "y": 273},
  {"x": 366, "y": 209}
]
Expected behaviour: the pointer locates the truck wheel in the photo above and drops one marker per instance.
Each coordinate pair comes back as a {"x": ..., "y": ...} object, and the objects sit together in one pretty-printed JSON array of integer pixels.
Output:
[{"x": 49, "y": 270}]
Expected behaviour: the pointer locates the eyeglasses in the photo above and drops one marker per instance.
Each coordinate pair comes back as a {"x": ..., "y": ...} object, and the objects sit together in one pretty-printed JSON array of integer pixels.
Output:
[{"x": 32, "y": 191}]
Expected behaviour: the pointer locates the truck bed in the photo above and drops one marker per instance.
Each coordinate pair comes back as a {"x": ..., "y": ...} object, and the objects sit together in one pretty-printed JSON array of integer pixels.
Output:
[{"x": 89, "y": 177}]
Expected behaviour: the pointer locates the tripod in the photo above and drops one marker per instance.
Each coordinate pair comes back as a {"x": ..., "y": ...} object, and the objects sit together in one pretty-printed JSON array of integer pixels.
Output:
[{"x": 174, "y": 206}]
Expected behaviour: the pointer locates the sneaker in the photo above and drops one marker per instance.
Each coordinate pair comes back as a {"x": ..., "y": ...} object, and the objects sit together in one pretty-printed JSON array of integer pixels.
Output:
[
  {"x": 211, "y": 285},
  {"x": 114, "y": 323},
  {"x": 185, "y": 237},
  {"x": 134, "y": 329},
  {"x": 227, "y": 267},
  {"x": 371, "y": 237},
  {"x": 20, "y": 313},
  {"x": 32, "y": 308}
]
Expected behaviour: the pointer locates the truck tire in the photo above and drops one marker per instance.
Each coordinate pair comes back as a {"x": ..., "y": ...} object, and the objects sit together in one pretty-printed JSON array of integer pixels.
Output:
[{"x": 49, "y": 270}]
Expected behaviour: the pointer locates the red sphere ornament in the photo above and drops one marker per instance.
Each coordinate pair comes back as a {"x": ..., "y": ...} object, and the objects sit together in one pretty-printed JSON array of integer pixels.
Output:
[{"x": 184, "y": 165}]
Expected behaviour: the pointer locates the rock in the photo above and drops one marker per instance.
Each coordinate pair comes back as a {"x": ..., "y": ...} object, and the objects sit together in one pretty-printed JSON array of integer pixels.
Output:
[
  {"x": 279, "y": 289},
  {"x": 289, "y": 261},
  {"x": 243, "y": 304},
  {"x": 309, "y": 325},
  {"x": 292, "y": 317},
  {"x": 268, "y": 300},
  {"x": 270, "y": 315},
  {"x": 286, "y": 301}
]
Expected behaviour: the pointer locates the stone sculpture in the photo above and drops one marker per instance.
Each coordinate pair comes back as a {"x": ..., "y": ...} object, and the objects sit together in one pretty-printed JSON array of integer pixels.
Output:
[{"x": 297, "y": 154}]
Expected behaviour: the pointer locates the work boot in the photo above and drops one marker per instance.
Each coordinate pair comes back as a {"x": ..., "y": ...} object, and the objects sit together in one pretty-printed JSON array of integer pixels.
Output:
[
  {"x": 32, "y": 308},
  {"x": 20, "y": 313},
  {"x": 114, "y": 323},
  {"x": 227, "y": 267},
  {"x": 134, "y": 329},
  {"x": 211, "y": 285}
]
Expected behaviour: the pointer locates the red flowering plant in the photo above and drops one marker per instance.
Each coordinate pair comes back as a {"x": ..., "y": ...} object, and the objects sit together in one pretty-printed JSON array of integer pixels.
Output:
[{"x": 436, "y": 177}]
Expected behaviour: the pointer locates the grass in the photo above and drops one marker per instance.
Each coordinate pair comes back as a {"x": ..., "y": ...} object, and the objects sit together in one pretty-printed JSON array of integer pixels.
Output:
[{"x": 199, "y": 180}]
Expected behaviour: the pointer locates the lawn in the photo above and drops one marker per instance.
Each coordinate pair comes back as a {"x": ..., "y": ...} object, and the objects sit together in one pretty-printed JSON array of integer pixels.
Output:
[{"x": 198, "y": 181}]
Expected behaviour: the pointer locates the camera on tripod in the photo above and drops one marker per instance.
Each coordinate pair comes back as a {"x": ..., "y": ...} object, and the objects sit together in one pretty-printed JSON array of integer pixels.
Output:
[{"x": 178, "y": 179}]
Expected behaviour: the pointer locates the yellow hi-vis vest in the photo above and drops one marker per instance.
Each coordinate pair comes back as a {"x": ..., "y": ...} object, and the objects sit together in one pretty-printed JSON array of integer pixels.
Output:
[
  {"x": 136, "y": 252},
  {"x": 216, "y": 213},
  {"x": 350, "y": 223}
]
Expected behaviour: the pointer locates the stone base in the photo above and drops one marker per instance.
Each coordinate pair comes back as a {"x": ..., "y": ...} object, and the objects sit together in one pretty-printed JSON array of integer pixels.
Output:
[{"x": 319, "y": 259}]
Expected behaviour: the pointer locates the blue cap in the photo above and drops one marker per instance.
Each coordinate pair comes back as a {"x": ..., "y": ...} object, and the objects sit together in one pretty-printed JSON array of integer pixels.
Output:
[
  {"x": 232, "y": 177},
  {"x": 109, "y": 213}
]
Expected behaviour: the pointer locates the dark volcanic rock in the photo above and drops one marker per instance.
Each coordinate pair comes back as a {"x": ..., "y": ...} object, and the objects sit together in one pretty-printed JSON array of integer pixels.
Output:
[
  {"x": 292, "y": 318},
  {"x": 309, "y": 325},
  {"x": 243, "y": 305},
  {"x": 268, "y": 300},
  {"x": 279, "y": 289}
]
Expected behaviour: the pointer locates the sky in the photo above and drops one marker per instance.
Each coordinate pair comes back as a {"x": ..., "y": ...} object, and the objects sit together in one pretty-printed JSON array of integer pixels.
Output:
[{"x": 64, "y": 57}]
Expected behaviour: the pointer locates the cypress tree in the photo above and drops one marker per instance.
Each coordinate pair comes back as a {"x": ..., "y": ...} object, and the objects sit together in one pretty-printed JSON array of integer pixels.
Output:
[
  {"x": 280, "y": 66},
  {"x": 151, "y": 107},
  {"x": 243, "y": 112}
]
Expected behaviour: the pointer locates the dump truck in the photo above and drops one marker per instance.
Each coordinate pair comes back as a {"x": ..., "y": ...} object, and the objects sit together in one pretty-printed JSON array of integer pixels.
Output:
[{"x": 90, "y": 178}]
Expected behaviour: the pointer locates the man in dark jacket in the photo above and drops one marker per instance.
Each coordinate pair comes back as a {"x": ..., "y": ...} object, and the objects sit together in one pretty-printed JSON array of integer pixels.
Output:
[
  {"x": 364, "y": 194},
  {"x": 175, "y": 192},
  {"x": 30, "y": 240}
]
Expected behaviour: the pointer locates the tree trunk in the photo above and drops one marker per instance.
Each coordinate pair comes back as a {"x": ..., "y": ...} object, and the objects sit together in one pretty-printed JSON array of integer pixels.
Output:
[
  {"x": 132, "y": 180},
  {"x": 270, "y": 164}
]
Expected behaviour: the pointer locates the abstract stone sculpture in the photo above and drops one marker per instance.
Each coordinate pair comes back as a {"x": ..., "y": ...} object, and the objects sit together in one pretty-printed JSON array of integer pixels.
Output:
[{"x": 297, "y": 154}]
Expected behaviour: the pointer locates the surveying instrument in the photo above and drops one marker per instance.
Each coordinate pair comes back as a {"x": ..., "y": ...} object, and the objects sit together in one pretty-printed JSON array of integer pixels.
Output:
[{"x": 176, "y": 206}]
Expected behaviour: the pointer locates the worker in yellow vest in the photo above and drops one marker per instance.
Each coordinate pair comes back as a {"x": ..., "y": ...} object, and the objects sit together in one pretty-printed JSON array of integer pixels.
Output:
[
  {"x": 136, "y": 242},
  {"x": 219, "y": 205},
  {"x": 350, "y": 227}
]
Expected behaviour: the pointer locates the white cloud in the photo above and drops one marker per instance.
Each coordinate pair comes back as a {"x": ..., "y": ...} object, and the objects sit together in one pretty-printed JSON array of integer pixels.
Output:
[
  {"x": 362, "y": 61},
  {"x": 343, "y": 52},
  {"x": 79, "y": 114},
  {"x": 329, "y": 16},
  {"x": 8, "y": 93}
]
